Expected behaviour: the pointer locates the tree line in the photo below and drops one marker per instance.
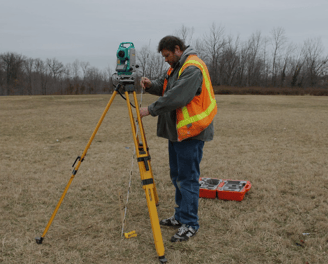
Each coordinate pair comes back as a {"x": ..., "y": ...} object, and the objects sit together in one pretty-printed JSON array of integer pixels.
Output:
[
  {"x": 20, "y": 75},
  {"x": 259, "y": 61}
]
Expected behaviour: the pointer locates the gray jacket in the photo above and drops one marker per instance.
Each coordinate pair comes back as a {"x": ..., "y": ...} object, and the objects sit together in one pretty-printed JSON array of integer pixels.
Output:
[{"x": 178, "y": 93}]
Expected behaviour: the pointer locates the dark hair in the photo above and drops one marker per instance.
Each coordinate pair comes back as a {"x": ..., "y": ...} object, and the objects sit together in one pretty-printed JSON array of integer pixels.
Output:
[{"x": 169, "y": 43}]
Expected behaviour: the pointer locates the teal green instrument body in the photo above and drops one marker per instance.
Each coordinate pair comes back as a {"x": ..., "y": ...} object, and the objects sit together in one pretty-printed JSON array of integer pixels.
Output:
[{"x": 126, "y": 59}]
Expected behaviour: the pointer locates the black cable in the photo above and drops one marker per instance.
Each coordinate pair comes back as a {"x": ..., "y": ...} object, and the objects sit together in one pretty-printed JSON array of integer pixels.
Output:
[{"x": 118, "y": 90}]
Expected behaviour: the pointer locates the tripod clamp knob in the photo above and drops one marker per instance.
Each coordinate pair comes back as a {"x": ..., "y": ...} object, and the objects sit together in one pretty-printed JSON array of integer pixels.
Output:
[
  {"x": 78, "y": 158},
  {"x": 145, "y": 159}
]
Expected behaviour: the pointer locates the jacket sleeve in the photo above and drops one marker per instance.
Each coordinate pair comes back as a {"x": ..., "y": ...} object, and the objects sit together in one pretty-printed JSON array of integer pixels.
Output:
[
  {"x": 181, "y": 93},
  {"x": 156, "y": 87}
]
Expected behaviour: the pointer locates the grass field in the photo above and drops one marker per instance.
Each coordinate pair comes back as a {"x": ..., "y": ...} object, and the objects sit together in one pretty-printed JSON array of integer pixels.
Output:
[{"x": 279, "y": 143}]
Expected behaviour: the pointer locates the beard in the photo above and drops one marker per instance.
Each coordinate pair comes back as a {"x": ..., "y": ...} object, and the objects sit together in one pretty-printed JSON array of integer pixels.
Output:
[{"x": 175, "y": 61}]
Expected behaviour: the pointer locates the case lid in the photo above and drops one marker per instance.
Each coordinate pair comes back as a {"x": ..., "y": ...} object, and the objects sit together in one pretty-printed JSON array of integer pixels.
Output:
[
  {"x": 235, "y": 186},
  {"x": 208, "y": 183}
]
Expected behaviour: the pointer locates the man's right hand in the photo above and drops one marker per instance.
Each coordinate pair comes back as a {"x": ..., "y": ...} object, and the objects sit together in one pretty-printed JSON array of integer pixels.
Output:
[{"x": 145, "y": 82}]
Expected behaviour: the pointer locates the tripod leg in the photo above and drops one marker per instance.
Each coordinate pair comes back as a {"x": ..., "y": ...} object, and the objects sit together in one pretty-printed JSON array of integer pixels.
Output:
[
  {"x": 147, "y": 180},
  {"x": 142, "y": 132},
  {"x": 40, "y": 239}
]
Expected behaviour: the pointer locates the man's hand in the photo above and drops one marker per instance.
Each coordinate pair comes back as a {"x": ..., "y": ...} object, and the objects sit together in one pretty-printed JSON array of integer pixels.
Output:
[
  {"x": 143, "y": 111},
  {"x": 145, "y": 82}
]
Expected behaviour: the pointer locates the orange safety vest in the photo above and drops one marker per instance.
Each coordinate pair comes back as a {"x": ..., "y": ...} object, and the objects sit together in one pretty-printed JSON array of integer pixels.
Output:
[{"x": 197, "y": 115}]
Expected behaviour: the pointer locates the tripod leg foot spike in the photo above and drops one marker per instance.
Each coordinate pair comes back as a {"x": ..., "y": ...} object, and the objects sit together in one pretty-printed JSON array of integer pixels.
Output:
[
  {"x": 39, "y": 240},
  {"x": 162, "y": 259}
]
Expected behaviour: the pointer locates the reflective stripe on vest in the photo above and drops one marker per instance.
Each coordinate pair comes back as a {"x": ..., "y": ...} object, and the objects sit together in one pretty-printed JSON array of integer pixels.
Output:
[
  {"x": 202, "y": 107},
  {"x": 187, "y": 120}
]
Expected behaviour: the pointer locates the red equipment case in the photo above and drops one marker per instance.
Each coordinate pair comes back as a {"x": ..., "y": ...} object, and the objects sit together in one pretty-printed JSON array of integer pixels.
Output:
[
  {"x": 224, "y": 189},
  {"x": 233, "y": 190},
  {"x": 208, "y": 187}
]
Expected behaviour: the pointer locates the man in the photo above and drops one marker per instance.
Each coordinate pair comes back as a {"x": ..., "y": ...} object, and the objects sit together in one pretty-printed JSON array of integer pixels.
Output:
[{"x": 185, "y": 109}]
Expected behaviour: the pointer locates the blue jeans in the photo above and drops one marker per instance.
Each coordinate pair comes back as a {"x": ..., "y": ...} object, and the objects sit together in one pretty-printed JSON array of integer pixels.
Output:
[{"x": 184, "y": 158}]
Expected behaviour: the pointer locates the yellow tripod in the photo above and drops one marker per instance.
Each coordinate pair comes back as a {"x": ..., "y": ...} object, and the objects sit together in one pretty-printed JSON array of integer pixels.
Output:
[{"x": 143, "y": 159}]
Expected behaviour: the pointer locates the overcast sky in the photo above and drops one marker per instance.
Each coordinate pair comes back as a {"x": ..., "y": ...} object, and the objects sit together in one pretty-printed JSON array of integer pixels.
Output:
[{"x": 92, "y": 30}]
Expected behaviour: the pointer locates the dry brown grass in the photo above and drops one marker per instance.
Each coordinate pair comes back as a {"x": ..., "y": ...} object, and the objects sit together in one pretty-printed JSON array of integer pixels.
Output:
[{"x": 278, "y": 143}]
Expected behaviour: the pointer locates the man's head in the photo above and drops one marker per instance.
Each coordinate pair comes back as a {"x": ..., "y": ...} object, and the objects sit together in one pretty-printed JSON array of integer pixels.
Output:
[{"x": 171, "y": 48}]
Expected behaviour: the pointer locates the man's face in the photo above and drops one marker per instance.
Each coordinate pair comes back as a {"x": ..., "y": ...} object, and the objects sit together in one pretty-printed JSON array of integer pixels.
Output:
[{"x": 172, "y": 58}]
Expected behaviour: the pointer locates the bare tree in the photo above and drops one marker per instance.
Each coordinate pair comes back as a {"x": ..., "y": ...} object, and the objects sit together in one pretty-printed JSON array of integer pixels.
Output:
[
  {"x": 2, "y": 77},
  {"x": 231, "y": 60},
  {"x": 76, "y": 69},
  {"x": 286, "y": 68},
  {"x": 12, "y": 64},
  {"x": 143, "y": 57},
  {"x": 266, "y": 61},
  {"x": 157, "y": 66},
  {"x": 93, "y": 79},
  {"x": 185, "y": 33},
  {"x": 314, "y": 62},
  {"x": 56, "y": 68},
  {"x": 28, "y": 65},
  {"x": 108, "y": 85},
  {"x": 151, "y": 64},
  {"x": 43, "y": 73},
  {"x": 73, "y": 77},
  {"x": 242, "y": 69},
  {"x": 211, "y": 51},
  {"x": 254, "y": 63},
  {"x": 278, "y": 40},
  {"x": 84, "y": 66}
]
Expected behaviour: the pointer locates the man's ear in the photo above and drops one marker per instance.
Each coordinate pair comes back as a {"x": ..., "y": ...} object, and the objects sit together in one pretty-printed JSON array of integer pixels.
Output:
[{"x": 177, "y": 50}]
